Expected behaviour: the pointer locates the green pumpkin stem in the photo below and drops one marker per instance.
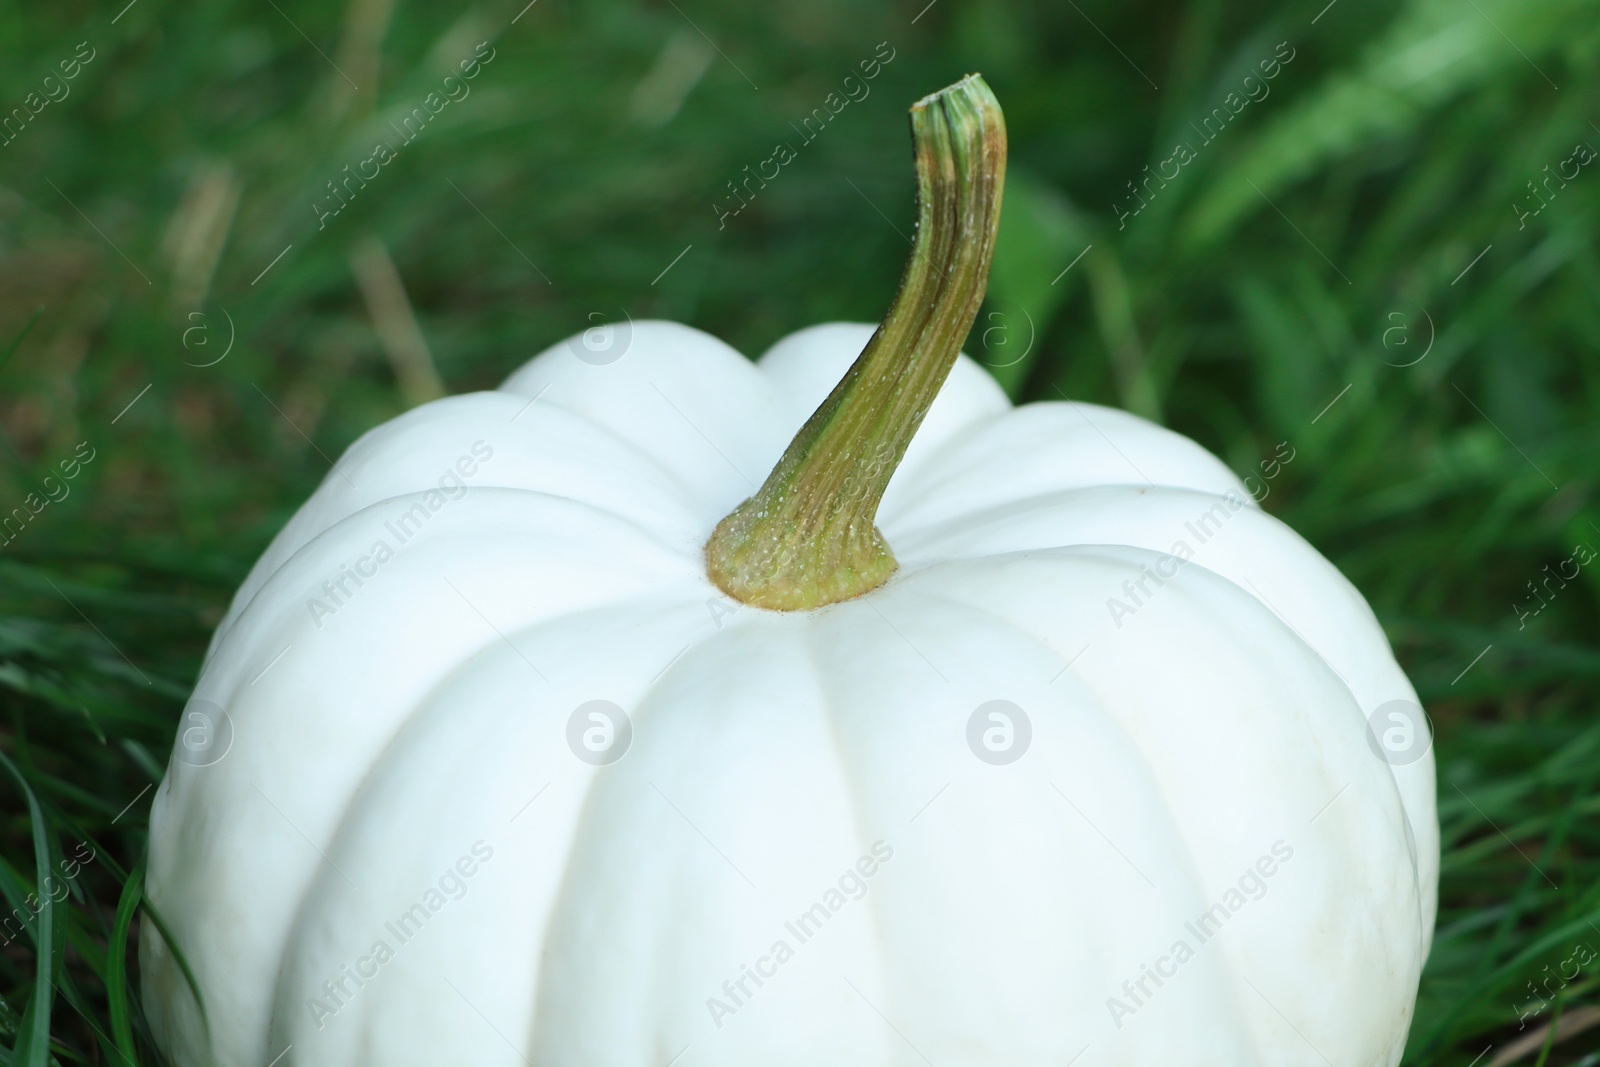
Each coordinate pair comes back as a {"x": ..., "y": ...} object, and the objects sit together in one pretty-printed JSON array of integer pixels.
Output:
[{"x": 807, "y": 538}]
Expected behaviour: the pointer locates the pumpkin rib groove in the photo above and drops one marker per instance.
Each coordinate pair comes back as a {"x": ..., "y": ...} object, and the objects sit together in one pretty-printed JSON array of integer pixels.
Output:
[
  {"x": 1068, "y": 500},
  {"x": 829, "y": 712},
  {"x": 966, "y": 460},
  {"x": 649, "y": 470},
  {"x": 648, "y": 463},
  {"x": 644, "y": 713},
  {"x": 651, "y": 537},
  {"x": 1103, "y": 704}
]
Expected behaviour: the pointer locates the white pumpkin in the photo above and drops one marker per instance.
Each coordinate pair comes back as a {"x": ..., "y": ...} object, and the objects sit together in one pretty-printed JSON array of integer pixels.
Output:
[{"x": 817, "y": 844}]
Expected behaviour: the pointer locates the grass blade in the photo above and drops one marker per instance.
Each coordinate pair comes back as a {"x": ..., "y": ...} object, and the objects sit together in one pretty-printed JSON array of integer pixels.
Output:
[
  {"x": 116, "y": 963},
  {"x": 183, "y": 962},
  {"x": 33, "y": 1044}
]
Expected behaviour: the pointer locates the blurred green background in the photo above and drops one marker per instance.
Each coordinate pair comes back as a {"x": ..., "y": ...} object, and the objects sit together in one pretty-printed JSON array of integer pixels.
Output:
[{"x": 1381, "y": 260}]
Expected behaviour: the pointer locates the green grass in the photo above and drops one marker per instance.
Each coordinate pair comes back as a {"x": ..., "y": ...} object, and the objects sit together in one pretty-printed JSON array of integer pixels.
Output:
[{"x": 1388, "y": 155}]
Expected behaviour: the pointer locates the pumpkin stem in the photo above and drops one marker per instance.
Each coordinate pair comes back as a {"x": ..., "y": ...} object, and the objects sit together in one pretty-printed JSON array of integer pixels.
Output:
[{"x": 807, "y": 537}]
